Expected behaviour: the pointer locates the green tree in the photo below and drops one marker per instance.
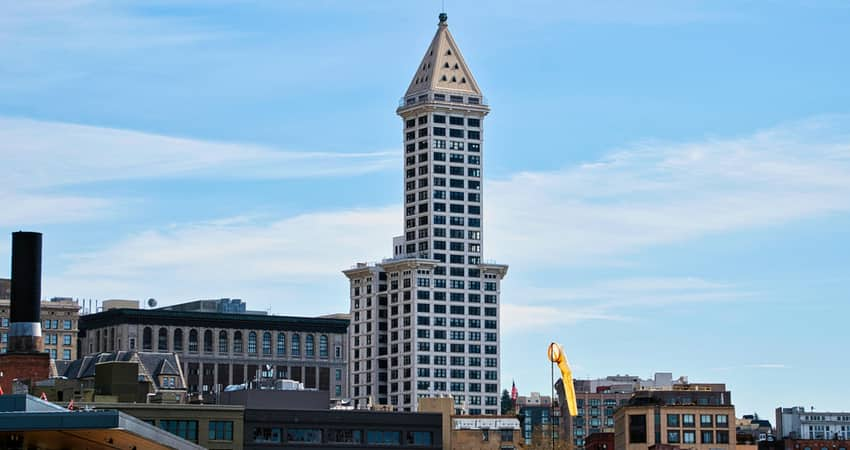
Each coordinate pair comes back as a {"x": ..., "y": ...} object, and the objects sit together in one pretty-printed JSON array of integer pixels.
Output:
[{"x": 507, "y": 403}]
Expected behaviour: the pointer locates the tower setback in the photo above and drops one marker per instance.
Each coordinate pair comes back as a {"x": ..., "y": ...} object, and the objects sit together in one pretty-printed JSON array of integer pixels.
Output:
[{"x": 425, "y": 322}]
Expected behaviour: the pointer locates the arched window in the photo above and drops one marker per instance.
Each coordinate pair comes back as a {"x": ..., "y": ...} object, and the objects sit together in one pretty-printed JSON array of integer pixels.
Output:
[
  {"x": 252, "y": 343},
  {"x": 208, "y": 343},
  {"x": 178, "y": 340},
  {"x": 193, "y": 340},
  {"x": 267, "y": 343},
  {"x": 281, "y": 344},
  {"x": 237, "y": 342},
  {"x": 147, "y": 339},
  {"x": 323, "y": 346},
  {"x": 296, "y": 345},
  {"x": 309, "y": 350},
  {"x": 222, "y": 341},
  {"x": 162, "y": 340}
]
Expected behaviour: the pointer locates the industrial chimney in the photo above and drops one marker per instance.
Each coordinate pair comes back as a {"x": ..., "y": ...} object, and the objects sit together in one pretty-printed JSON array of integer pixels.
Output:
[
  {"x": 25, "y": 317},
  {"x": 25, "y": 360}
]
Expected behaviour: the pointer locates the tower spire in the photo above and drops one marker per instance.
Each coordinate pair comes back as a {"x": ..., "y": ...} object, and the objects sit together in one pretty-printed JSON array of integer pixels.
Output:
[{"x": 443, "y": 67}]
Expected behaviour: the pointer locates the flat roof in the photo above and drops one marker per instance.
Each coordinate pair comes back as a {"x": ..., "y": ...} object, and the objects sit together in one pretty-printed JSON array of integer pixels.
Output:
[{"x": 121, "y": 316}]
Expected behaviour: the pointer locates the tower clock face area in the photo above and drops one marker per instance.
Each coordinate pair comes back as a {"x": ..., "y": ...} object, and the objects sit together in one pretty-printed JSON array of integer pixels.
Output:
[{"x": 425, "y": 322}]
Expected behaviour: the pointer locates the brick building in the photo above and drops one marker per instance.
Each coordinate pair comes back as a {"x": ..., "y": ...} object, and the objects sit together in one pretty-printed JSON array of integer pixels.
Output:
[{"x": 59, "y": 322}]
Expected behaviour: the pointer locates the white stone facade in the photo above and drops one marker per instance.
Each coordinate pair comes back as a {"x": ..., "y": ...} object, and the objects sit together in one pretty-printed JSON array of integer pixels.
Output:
[{"x": 426, "y": 322}]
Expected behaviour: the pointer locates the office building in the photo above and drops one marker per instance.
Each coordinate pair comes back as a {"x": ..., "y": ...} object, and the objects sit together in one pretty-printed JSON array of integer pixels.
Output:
[
  {"x": 59, "y": 318},
  {"x": 217, "y": 349},
  {"x": 426, "y": 321},
  {"x": 797, "y": 423},
  {"x": 693, "y": 416}
]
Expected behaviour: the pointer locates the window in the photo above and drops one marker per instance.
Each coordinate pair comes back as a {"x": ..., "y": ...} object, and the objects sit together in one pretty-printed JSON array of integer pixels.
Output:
[
  {"x": 237, "y": 342},
  {"x": 267, "y": 343},
  {"x": 66, "y": 339},
  {"x": 147, "y": 338},
  {"x": 193, "y": 340},
  {"x": 637, "y": 429},
  {"x": 473, "y": 122},
  {"x": 438, "y": 131},
  {"x": 673, "y": 420},
  {"x": 707, "y": 437},
  {"x": 456, "y": 121},
  {"x": 281, "y": 344},
  {"x": 222, "y": 342},
  {"x": 422, "y": 438},
  {"x": 66, "y": 324},
  {"x": 722, "y": 437},
  {"x": 296, "y": 345},
  {"x": 722, "y": 420},
  {"x": 311, "y": 435},
  {"x": 266, "y": 435},
  {"x": 66, "y": 355},
  {"x": 252, "y": 343},
  {"x": 439, "y": 118},
  {"x": 345, "y": 436},
  {"x": 208, "y": 341},
  {"x": 688, "y": 420},
  {"x": 705, "y": 420},
  {"x": 673, "y": 436},
  {"x": 383, "y": 437},
  {"x": 220, "y": 430},
  {"x": 689, "y": 437},
  {"x": 323, "y": 346},
  {"x": 186, "y": 429}
]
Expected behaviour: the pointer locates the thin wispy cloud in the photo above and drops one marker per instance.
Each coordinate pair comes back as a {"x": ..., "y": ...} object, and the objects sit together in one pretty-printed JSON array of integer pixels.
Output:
[
  {"x": 636, "y": 199},
  {"x": 768, "y": 366},
  {"x": 48, "y": 156}
]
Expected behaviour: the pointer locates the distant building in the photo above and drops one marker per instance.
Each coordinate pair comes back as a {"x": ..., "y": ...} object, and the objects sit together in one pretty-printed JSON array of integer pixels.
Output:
[
  {"x": 126, "y": 376},
  {"x": 804, "y": 444},
  {"x": 538, "y": 419},
  {"x": 693, "y": 416},
  {"x": 797, "y": 423},
  {"x": 749, "y": 430},
  {"x": 598, "y": 399},
  {"x": 599, "y": 441},
  {"x": 217, "y": 349},
  {"x": 5, "y": 289},
  {"x": 465, "y": 432},
  {"x": 59, "y": 322}
]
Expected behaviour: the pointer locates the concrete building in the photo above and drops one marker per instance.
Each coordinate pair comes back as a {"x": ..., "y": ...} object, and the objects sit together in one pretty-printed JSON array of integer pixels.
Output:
[
  {"x": 473, "y": 432},
  {"x": 218, "y": 349},
  {"x": 696, "y": 416},
  {"x": 213, "y": 427},
  {"x": 426, "y": 321},
  {"x": 59, "y": 321},
  {"x": 797, "y": 423}
]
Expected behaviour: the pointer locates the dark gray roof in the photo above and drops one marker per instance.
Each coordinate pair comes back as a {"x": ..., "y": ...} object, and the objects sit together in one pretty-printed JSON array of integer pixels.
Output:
[{"x": 150, "y": 364}]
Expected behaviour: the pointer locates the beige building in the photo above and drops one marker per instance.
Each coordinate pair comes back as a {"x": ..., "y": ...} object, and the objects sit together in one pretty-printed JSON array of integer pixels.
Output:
[
  {"x": 215, "y": 427},
  {"x": 473, "y": 432},
  {"x": 694, "y": 417},
  {"x": 59, "y": 327}
]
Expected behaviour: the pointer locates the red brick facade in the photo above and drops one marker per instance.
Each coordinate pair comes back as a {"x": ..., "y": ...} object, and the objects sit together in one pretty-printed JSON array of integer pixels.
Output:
[{"x": 23, "y": 366}]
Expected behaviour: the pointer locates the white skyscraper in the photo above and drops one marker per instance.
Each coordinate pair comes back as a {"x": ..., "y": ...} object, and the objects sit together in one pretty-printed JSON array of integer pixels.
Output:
[{"x": 426, "y": 321}]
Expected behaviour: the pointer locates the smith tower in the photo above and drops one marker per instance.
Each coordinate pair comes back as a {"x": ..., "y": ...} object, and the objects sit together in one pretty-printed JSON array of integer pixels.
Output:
[{"x": 426, "y": 321}]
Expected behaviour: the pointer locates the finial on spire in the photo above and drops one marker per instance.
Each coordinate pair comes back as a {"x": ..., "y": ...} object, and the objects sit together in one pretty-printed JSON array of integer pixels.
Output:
[{"x": 443, "y": 18}]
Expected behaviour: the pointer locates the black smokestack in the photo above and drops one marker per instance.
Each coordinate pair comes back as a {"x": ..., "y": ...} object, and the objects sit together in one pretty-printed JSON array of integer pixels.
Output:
[{"x": 25, "y": 332}]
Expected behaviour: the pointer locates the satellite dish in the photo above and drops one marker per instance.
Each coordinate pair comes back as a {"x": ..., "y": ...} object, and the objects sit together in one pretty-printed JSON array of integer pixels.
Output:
[{"x": 151, "y": 302}]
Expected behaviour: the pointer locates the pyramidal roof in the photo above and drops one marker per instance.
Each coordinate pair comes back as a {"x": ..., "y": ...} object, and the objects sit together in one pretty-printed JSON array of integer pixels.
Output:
[{"x": 443, "y": 67}]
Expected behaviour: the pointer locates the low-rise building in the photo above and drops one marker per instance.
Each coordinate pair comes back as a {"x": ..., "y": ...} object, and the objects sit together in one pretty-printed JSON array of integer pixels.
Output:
[
  {"x": 218, "y": 349},
  {"x": 797, "y": 423},
  {"x": 693, "y": 416}
]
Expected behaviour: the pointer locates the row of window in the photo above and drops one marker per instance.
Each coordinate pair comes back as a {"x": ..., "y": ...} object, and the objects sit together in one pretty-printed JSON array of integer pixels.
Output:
[
  {"x": 458, "y": 158},
  {"x": 441, "y": 144},
  {"x": 280, "y": 345},
  {"x": 473, "y": 185},
  {"x": 473, "y": 122},
  {"x": 459, "y": 196},
  {"x": 705, "y": 420},
  {"x": 690, "y": 437},
  {"x": 47, "y": 324},
  {"x": 457, "y": 133},
  {"x": 275, "y": 435}
]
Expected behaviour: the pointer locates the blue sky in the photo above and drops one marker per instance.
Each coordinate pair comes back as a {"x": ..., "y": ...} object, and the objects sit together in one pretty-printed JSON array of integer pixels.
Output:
[{"x": 669, "y": 181}]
